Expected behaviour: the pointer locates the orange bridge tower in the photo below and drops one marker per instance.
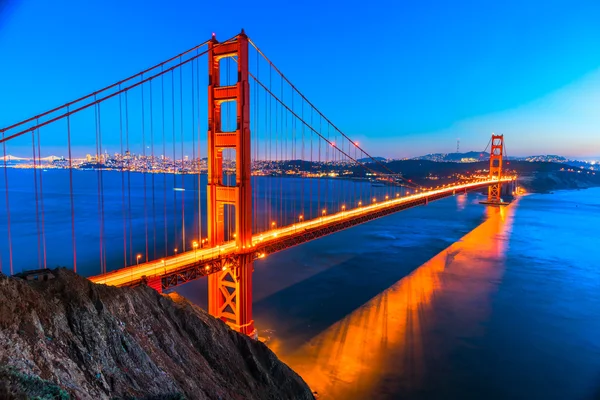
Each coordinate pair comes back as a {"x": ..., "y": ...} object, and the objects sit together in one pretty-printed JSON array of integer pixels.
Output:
[
  {"x": 496, "y": 154},
  {"x": 230, "y": 290}
]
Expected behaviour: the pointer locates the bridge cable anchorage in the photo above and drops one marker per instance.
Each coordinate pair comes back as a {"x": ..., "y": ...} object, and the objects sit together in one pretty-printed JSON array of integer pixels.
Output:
[{"x": 322, "y": 115}]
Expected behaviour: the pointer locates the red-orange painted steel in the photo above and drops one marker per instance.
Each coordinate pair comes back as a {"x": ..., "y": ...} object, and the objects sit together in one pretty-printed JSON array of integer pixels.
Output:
[
  {"x": 230, "y": 291},
  {"x": 496, "y": 154},
  {"x": 155, "y": 283}
]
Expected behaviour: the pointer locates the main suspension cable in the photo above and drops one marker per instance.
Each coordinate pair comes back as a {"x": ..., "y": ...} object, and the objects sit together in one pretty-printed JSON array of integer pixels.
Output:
[
  {"x": 311, "y": 128},
  {"x": 320, "y": 113}
]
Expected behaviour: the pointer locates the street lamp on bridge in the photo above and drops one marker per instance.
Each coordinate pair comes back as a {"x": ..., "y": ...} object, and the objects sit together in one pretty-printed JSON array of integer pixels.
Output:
[
  {"x": 195, "y": 246},
  {"x": 300, "y": 217},
  {"x": 137, "y": 259}
]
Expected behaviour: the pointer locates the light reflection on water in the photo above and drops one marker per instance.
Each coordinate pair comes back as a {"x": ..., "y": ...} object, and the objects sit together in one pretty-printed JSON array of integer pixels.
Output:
[
  {"x": 348, "y": 360},
  {"x": 510, "y": 311}
]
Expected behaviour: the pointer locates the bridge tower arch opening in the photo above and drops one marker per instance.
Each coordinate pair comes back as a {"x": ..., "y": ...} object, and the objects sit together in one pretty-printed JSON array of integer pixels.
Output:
[{"x": 230, "y": 290}]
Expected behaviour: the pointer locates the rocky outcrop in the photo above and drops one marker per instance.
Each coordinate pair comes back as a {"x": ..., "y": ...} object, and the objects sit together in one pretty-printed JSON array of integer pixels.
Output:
[{"x": 101, "y": 342}]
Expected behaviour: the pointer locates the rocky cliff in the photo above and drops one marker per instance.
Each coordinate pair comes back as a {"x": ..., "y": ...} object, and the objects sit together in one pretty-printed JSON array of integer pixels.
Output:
[{"x": 68, "y": 337}]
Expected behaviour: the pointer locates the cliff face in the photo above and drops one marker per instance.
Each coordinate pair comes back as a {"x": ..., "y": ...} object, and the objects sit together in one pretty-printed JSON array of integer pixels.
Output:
[{"x": 100, "y": 342}]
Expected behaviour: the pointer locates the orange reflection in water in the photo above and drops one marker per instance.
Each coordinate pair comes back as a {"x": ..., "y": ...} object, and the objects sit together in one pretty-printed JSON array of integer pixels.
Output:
[
  {"x": 461, "y": 201},
  {"x": 346, "y": 360}
]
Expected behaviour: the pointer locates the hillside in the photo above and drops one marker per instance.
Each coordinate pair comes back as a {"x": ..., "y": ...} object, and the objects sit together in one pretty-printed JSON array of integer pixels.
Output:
[
  {"x": 70, "y": 338},
  {"x": 533, "y": 176}
]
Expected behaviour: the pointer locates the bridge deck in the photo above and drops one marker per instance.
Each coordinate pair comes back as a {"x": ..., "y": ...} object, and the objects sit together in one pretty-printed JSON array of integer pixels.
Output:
[{"x": 190, "y": 265}]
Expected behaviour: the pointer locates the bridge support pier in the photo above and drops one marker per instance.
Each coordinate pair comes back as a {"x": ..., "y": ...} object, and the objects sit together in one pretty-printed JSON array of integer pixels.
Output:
[
  {"x": 155, "y": 283},
  {"x": 230, "y": 295},
  {"x": 230, "y": 291}
]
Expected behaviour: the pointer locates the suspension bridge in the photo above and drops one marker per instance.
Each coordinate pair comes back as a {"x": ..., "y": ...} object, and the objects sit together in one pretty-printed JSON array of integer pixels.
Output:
[{"x": 137, "y": 199}]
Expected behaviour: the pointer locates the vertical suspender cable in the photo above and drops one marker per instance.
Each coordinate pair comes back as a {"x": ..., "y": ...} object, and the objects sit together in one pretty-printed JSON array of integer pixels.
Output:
[
  {"x": 129, "y": 157},
  {"x": 175, "y": 230},
  {"x": 293, "y": 157},
  {"x": 97, "y": 158},
  {"x": 311, "y": 181},
  {"x": 153, "y": 164},
  {"x": 98, "y": 155},
  {"x": 270, "y": 192},
  {"x": 122, "y": 169},
  {"x": 182, "y": 166},
  {"x": 267, "y": 209},
  {"x": 42, "y": 205},
  {"x": 275, "y": 164},
  {"x": 71, "y": 192},
  {"x": 320, "y": 168},
  {"x": 255, "y": 180},
  {"x": 144, "y": 170},
  {"x": 199, "y": 153},
  {"x": 193, "y": 160},
  {"x": 6, "y": 190},
  {"x": 164, "y": 165},
  {"x": 37, "y": 212},
  {"x": 101, "y": 181}
]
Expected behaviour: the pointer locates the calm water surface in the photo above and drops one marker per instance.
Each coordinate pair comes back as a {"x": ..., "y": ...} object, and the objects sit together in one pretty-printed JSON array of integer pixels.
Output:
[{"x": 451, "y": 300}]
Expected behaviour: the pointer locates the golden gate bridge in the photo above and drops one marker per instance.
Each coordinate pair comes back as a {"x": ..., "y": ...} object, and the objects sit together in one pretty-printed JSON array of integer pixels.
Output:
[{"x": 257, "y": 122}]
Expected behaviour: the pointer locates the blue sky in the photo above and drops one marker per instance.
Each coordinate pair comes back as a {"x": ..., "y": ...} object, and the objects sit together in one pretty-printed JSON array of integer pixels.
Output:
[{"x": 403, "y": 78}]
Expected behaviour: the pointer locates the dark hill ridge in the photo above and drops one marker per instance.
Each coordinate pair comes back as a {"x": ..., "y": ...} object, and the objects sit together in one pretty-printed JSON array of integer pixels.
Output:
[
  {"x": 101, "y": 342},
  {"x": 536, "y": 176}
]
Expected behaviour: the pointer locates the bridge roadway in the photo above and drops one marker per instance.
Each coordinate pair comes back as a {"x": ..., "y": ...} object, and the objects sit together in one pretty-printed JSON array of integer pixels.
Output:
[{"x": 190, "y": 265}]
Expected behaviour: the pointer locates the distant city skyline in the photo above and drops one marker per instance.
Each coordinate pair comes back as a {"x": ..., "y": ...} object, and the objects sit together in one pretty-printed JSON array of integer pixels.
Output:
[
  {"x": 531, "y": 72},
  {"x": 61, "y": 154}
]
